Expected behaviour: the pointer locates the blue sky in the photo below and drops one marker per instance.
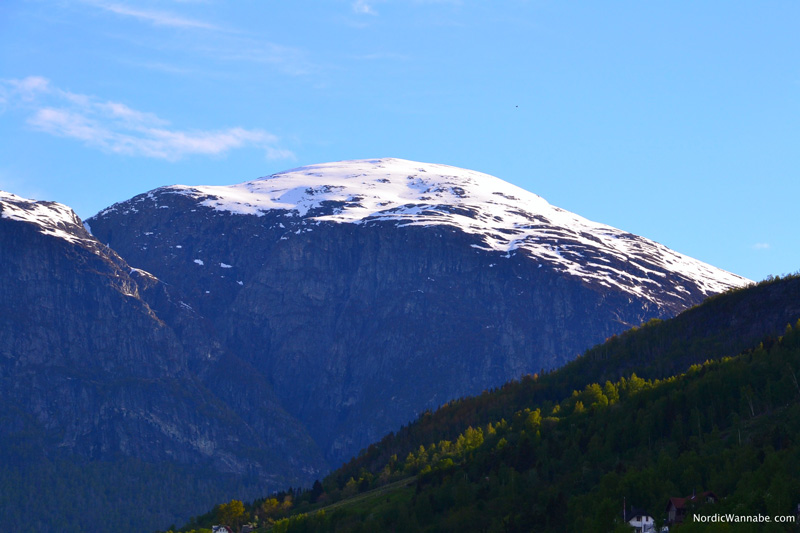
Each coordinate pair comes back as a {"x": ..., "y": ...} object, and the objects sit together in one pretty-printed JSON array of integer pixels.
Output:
[{"x": 678, "y": 121}]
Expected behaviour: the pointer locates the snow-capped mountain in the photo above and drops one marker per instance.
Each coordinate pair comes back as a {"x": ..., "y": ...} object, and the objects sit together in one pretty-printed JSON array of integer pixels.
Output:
[
  {"x": 367, "y": 291},
  {"x": 49, "y": 218},
  {"x": 229, "y": 337},
  {"x": 504, "y": 218},
  {"x": 110, "y": 383}
]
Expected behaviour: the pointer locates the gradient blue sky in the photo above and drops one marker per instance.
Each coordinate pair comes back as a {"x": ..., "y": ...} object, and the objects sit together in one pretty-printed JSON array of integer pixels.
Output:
[{"x": 678, "y": 121}]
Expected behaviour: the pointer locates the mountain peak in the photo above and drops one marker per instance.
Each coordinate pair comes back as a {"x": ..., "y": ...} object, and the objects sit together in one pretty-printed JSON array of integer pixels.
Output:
[
  {"x": 50, "y": 218},
  {"x": 367, "y": 188},
  {"x": 504, "y": 219},
  {"x": 366, "y": 291}
]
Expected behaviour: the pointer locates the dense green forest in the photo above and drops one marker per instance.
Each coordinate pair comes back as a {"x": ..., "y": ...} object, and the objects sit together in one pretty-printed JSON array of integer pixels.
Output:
[
  {"x": 539, "y": 455},
  {"x": 56, "y": 485}
]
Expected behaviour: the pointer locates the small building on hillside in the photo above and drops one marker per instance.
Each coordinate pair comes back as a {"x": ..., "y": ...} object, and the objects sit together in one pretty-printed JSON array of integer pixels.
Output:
[
  {"x": 640, "y": 520},
  {"x": 678, "y": 507}
]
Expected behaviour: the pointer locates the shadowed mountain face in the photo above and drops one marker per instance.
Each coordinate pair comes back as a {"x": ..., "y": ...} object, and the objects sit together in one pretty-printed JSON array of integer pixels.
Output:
[
  {"x": 206, "y": 343},
  {"x": 115, "y": 396},
  {"x": 364, "y": 292}
]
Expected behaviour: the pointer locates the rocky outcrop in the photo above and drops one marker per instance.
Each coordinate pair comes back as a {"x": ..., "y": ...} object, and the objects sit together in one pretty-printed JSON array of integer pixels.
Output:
[
  {"x": 366, "y": 292},
  {"x": 205, "y": 343},
  {"x": 101, "y": 364},
  {"x": 361, "y": 328}
]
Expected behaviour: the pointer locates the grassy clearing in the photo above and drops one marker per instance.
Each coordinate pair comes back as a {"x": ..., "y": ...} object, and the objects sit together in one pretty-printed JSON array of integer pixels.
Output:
[{"x": 369, "y": 495}]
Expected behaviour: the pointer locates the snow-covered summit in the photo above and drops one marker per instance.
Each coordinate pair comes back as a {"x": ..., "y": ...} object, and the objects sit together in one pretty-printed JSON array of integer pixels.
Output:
[
  {"x": 371, "y": 189},
  {"x": 505, "y": 218},
  {"x": 50, "y": 218}
]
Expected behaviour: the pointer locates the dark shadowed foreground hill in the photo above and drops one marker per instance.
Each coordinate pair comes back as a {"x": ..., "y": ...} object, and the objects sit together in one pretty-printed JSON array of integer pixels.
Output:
[
  {"x": 368, "y": 291},
  {"x": 566, "y": 461},
  {"x": 106, "y": 411},
  {"x": 221, "y": 342}
]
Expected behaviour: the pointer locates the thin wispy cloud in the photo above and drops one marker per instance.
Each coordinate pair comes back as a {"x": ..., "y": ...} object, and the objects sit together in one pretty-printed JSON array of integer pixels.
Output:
[
  {"x": 26, "y": 89},
  {"x": 167, "y": 68},
  {"x": 285, "y": 58},
  {"x": 451, "y": 2},
  {"x": 381, "y": 56},
  {"x": 761, "y": 246},
  {"x": 363, "y": 7},
  {"x": 117, "y": 128},
  {"x": 229, "y": 44},
  {"x": 154, "y": 17}
]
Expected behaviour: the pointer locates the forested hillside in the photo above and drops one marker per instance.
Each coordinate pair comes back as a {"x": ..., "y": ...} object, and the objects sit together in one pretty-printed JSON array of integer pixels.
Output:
[
  {"x": 534, "y": 460},
  {"x": 724, "y": 325},
  {"x": 366, "y": 292}
]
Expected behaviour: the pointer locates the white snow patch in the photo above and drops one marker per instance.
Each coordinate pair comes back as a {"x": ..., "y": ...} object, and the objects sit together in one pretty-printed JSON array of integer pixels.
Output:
[
  {"x": 506, "y": 218},
  {"x": 50, "y": 218},
  {"x": 199, "y": 262},
  {"x": 223, "y": 265}
]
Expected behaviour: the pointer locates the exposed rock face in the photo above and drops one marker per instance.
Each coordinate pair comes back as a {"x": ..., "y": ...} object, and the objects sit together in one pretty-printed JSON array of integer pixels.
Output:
[
  {"x": 273, "y": 328},
  {"x": 101, "y": 364},
  {"x": 365, "y": 334},
  {"x": 365, "y": 292}
]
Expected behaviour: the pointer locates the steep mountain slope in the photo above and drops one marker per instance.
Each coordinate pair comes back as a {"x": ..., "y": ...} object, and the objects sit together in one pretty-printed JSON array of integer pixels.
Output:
[
  {"x": 723, "y": 326},
  {"x": 368, "y": 291},
  {"x": 562, "y": 461},
  {"x": 730, "y": 427},
  {"x": 107, "y": 408}
]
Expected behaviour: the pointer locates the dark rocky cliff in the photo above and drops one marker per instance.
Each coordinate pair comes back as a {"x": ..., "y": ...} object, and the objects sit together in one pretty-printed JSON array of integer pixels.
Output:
[
  {"x": 358, "y": 327},
  {"x": 254, "y": 346},
  {"x": 361, "y": 328},
  {"x": 101, "y": 366}
]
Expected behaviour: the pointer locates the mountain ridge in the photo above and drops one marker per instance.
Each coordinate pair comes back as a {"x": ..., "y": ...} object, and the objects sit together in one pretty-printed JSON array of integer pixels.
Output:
[
  {"x": 346, "y": 283},
  {"x": 506, "y": 218},
  {"x": 285, "y": 341},
  {"x": 561, "y": 461},
  {"x": 103, "y": 371}
]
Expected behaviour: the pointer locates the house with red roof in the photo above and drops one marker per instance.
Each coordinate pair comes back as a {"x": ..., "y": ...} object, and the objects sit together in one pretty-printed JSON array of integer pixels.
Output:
[{"x": 678, "y": 507}]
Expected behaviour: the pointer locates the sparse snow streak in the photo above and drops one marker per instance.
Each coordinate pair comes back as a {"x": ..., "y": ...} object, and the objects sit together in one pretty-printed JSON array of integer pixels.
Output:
[
  {"x": 506, "y": 218},
  {"x": 50, "y": 218}
]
